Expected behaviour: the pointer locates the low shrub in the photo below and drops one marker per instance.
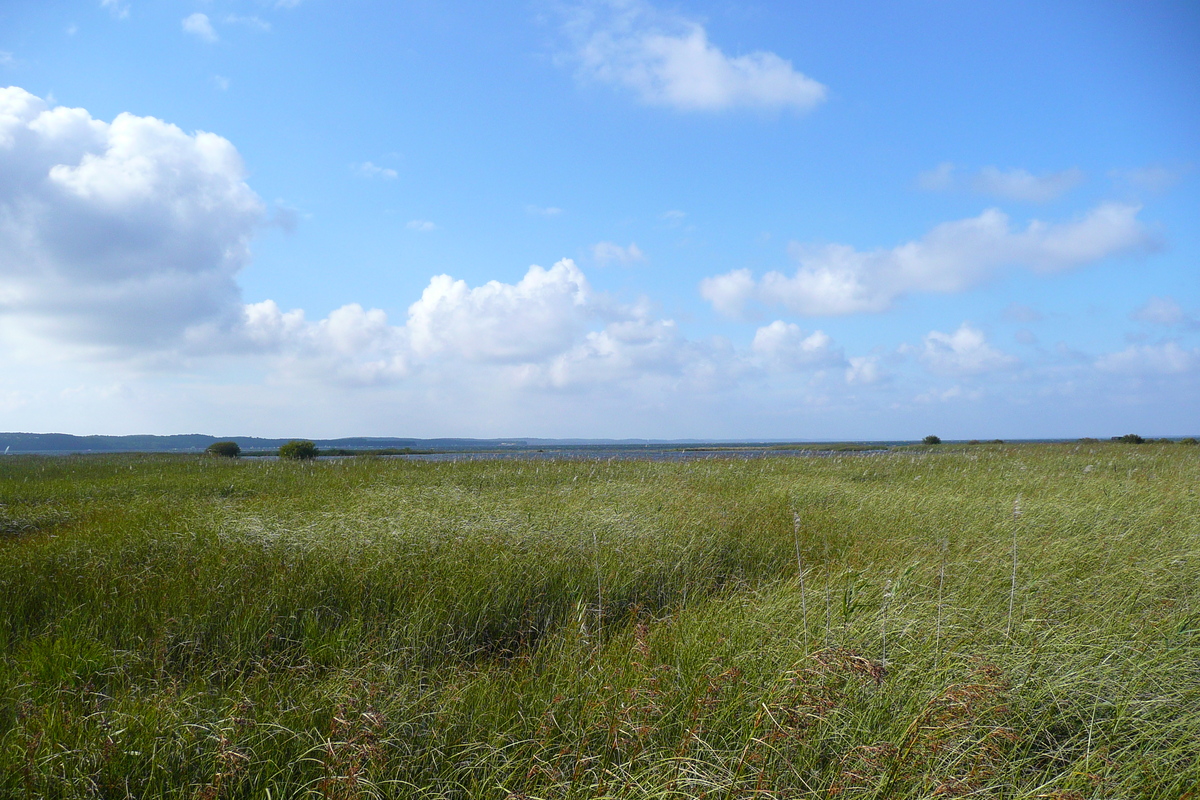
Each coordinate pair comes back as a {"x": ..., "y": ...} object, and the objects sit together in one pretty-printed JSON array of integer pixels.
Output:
[
  {"x": 224, "y": 449},
  {"x": 298, "y": 450},
  {"x": 1129, "y": 438},
  {"x": 932, "y": 440}
]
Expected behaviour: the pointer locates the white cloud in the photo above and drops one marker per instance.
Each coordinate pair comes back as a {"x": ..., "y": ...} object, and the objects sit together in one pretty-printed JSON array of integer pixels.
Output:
[
  {"x": 539, "y": 211},
  {"x": 351, "y": 346},
  {"x": 1151, "y": 359},
  {"x": 626, "y": 350},
  {"x": 731, "y": 292},
  {"x": 863, "y": 370},
  {"x": 1019, "y": 184},
  {"x": 129, "y": 236},
  {"x": 221, "y": 82},
  {"x": 250, "y": 22},
  {"x": 121, "y": 233},
  {"x": 964, "y": 352},
  {"x": 674, "y": 216},
  {"x": 539, "y": 316},
  {"x": 118, "y": 8},
  {"x": 548, "y": 330},
  {"x": 667, "y": 60},
  {"x": 6, "y": 59},
  {"x": 421, "y": 225},
  {"x": 1162, "y": 311},
  {"x": 369, "y": 170},
  {"x": 954, "y": 256},
  {"x": 784, "y": 346},
  {"x": 287, "y": 3},
  {"x": 199, "y": 25},
  {"x": 609, "y": 252}
]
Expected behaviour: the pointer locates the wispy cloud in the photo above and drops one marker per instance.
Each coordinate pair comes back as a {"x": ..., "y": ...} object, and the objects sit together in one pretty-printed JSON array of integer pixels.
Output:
[
  {"x": 1151, "y": 359},
  {"x": 221, "y": 82},
  {"x": 1016, "y": 312},
  {"x": 1164, "y": 311},
  {"x": 609, "y": 252},
  {"x": 955, "y": 392},
  {"x": 249, "y": 22},
  {"x": 421, "y": 225},
  {"x": 540, "y": 211},
  {"x": 1010, "y": 184},
  {"x": 666, "y": 59},
  {"x": 1154, "y": 179},
  {"x": 954, "y": 256},
  {"x": 1019, "y": 184},
  {"x": 118, "y": 8},
  {"x": 939, "y": 179},
  {"x": 200, "y": 26},
  {"x": 369, "y": 170}
]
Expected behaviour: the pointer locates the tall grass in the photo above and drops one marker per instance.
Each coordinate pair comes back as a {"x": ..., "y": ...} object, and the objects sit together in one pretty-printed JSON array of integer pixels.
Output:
[{"x": 186, "y": 627}]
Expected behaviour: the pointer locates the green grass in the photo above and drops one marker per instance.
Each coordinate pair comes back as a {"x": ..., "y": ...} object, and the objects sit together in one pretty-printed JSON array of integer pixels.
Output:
[{"x": 180, "y": 626}]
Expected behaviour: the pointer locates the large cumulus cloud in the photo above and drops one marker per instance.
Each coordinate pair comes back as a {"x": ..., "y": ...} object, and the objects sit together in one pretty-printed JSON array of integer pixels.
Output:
[{"x": 123, "y": 233}]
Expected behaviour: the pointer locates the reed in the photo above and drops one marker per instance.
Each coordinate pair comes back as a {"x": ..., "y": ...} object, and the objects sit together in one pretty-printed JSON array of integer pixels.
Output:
[{"x": 187, "y": 627}]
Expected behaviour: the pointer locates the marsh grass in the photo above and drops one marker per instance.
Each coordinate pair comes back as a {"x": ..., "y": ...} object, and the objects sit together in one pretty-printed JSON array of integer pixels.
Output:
[{"x": 203, "y": 628}]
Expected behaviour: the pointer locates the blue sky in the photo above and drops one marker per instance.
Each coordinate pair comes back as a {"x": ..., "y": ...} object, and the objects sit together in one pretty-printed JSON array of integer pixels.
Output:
[{"x": 600, "y": 219}]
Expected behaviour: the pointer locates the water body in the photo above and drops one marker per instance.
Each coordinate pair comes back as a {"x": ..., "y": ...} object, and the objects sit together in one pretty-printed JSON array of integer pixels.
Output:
[{"x": 628, "y": 454}]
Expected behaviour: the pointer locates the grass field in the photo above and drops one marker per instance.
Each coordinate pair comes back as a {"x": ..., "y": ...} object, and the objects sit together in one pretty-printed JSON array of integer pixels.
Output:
[{"x": 994, "y": 621}]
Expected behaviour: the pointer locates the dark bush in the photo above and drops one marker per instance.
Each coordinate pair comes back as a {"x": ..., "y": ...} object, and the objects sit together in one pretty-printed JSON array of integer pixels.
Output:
[
  {"x": 1188, "y": 440},
  {"x": 224, "y": 449},
  {"x": 932, "y": 440},
  {"x": 298, "y": 450},
  {"x": 1129, "y": 438}
]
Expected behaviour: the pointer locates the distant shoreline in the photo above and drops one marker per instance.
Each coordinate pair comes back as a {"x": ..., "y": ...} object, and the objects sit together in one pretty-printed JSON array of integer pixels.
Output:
[{"x": 252, "y": 446}]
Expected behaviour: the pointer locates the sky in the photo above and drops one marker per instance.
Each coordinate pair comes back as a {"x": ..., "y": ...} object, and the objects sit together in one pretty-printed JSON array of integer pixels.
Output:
[{"x": 610, "y": 219}]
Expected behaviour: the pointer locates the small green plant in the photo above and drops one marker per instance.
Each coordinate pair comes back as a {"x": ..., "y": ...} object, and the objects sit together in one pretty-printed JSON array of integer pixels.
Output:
[
  {"x": 298, "y": 450},
  {"x": 932, "y": 440},
  {"x": 224, "y": 449}
]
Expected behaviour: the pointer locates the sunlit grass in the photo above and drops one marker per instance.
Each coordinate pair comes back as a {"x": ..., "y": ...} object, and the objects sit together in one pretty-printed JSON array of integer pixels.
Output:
[{"x": 198, "y": 627}]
